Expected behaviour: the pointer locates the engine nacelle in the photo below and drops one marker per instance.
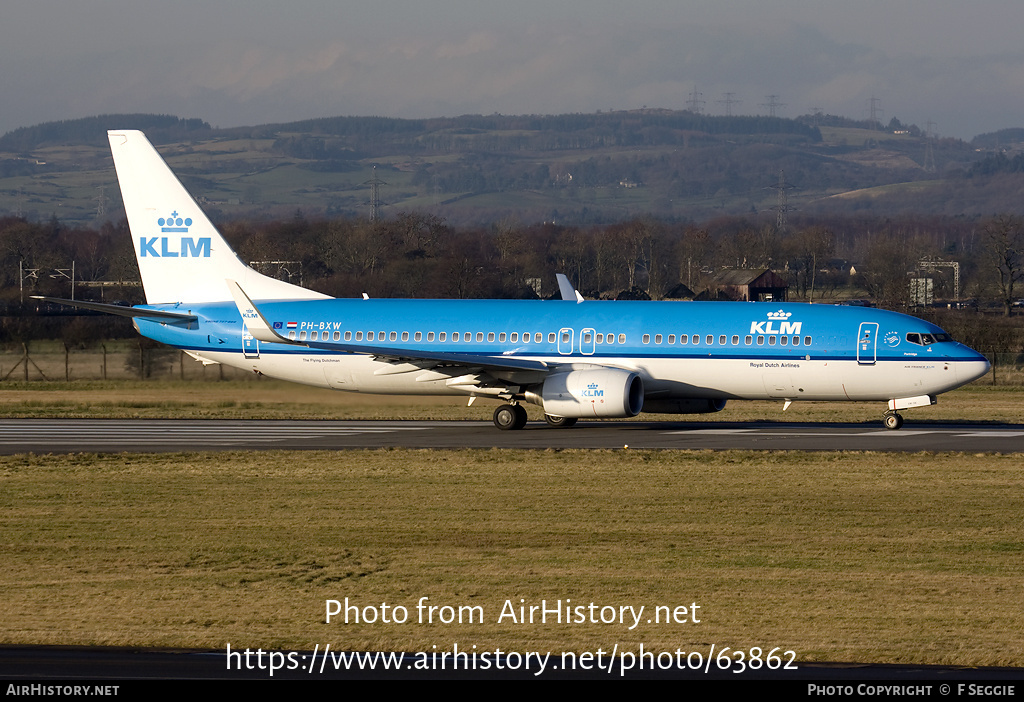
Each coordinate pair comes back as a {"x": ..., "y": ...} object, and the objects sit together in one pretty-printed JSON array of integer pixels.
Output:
[
  {"x": 683, "y": 406},
  {"x": 601, "y": 392}
]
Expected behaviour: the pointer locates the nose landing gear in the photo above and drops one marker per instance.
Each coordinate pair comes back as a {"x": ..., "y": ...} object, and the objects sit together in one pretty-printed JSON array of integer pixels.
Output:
[{"x": 893, "y": 420}]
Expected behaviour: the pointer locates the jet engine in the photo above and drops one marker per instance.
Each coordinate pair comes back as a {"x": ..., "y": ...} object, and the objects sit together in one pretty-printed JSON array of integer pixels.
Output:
[{"x": 598, "y": 392}]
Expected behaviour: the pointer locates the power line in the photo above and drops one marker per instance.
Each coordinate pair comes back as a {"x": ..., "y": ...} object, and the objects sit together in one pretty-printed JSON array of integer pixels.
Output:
[
  {"x": 728, "y": 102},
  {"x": 694, "y": 102},
  {"x": 772, "y": 104}
]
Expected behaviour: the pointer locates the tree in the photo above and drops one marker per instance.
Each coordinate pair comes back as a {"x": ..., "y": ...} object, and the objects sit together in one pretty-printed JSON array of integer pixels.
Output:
[{"x": 1003, "y": 238}]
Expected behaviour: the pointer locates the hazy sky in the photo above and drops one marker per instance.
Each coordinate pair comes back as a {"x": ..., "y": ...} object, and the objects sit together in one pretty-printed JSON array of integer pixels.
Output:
[{"x": 239, "y": 62}]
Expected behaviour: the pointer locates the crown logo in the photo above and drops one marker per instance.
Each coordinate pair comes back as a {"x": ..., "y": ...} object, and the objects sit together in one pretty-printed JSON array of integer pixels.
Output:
[
  {"x": 780, "y": 315},
  {"x": 174, "y": 223},
  {"x": 592, "y": 386}
]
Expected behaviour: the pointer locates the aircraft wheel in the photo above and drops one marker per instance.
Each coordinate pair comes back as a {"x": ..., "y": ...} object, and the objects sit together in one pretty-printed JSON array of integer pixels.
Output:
[
  {"x": 893, "y": 420},
  {"x": 560, "y": 422},
  {"x": 509, "y": 417},
  {"x": 520, "y": 416}
]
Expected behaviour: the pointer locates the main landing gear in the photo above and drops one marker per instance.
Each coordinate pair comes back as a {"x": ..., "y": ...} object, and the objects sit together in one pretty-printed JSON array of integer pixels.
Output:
[
  {"x": 893, "y": 420},
  {"x": 559, "y": 422},
  {"x": 510, "y": 417}
]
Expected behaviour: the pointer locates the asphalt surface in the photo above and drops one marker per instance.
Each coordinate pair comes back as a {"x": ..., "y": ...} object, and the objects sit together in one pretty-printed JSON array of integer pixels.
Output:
[{"x": 157, "y": 436}]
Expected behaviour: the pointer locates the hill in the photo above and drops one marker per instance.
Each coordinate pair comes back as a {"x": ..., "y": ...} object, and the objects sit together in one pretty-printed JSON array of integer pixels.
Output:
[{"x": 575, "y": 168}]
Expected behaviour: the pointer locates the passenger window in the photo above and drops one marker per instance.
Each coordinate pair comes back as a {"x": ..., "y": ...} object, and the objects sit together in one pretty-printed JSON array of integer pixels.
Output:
[
  {"x": 807, "y": 341},
  {"x": 394, "y": 336},
  {"x": 291, "y": 335},
  {"x": 348, "y": 336},
  {"x": 566, "y": 337},
  {"x": 600, "y": 338},
  {"x": 514, "y": 337},
  {"x": 710, "y": 340},
  {"x": 783, "y": 340},
  {"x": 430, "y": 336},
  {"x": 721, "y": 339},
  {"x": 671, "y": 338},
  {"x": 337, "y": 336},
  {"x": 760, "y": 340},
  {"x": 748, "y": 340},
  {"x": 501, "y": 337},
  {"x": 796, "y": 341},
  {"x": 684, "y": 339},
  {"x": 771, "y": 340},
  {"x": 312, "y": 336},
  {"x": 657, "y": 338},
  {"x": 696, "y": 339},
  {"x": 647, "y": 338},
  {"x": 442, "y": 336},
  {"x": 302, "y": 336},
  {"x": 418, "y": 336},
  {"x": 359, "y": 336},
  {"x": 735, "y": 340},
  {"x": 405, "y": 336},
  {"x": 588, "y": 338},
  {"x": 538, "y": 337},
  {"x": 479, "y": 336},
  {"x": 551, "y": 337},
  {"x": 622, "y": 338}
]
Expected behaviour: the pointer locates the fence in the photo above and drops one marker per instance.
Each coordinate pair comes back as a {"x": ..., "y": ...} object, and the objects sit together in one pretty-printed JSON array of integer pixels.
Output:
[{"x": 52, "y": 360}]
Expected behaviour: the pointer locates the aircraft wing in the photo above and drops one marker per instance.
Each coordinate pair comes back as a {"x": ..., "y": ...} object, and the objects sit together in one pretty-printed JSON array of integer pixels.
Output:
[{"x": 262, "y": 330}]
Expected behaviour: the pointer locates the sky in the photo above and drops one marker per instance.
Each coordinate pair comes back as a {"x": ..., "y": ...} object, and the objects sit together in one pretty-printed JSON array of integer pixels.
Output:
[{"x": 956, "y": 64}]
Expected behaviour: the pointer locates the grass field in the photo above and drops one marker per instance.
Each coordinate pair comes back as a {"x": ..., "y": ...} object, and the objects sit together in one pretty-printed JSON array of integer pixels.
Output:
[
  {"x": 864, "y": 557},
  {"x": 843, "y": 556},
  {"x": 267, "y": 399}
]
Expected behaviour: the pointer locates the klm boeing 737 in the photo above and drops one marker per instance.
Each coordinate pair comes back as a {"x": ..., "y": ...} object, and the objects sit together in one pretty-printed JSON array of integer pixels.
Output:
[{"x": 574, "y": 358}]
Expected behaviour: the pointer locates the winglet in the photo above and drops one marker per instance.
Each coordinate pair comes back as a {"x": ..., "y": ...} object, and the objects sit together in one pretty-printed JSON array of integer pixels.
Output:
[
  {"x": 254, "y": 320},
  {"x": 566, "y": 289}
]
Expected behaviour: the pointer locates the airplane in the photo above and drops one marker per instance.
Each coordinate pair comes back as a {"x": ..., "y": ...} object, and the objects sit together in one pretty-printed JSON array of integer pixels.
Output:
[{"x": 575, "y": 358}]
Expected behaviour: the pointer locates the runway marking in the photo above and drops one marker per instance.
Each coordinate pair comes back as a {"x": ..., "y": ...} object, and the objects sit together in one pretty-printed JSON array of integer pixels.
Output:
[
  {"x": 879, "y": 433},
  {"x": 86, "y": 433}
]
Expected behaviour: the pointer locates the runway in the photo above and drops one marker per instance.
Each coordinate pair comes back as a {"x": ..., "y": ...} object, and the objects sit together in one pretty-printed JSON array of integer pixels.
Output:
[{"x": 42, "y": 436}]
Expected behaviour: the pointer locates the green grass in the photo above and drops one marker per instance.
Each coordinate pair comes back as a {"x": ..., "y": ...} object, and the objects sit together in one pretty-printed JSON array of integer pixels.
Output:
[
  {"x": 267, "y": 399},
  {"x": 866, "y": 557}
]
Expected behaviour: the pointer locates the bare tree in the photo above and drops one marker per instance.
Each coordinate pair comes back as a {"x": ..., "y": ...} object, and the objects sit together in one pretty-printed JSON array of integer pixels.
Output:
[{"x": 1004, "y": 251}]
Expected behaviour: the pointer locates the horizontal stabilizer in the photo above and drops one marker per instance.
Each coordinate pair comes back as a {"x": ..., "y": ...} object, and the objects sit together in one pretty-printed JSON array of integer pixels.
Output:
[{"x": 121, "y": 310}]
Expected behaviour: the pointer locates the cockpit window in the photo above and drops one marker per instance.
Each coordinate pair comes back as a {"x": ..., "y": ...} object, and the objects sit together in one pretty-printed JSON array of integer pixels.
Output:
[{"x": 927, "y": 339}]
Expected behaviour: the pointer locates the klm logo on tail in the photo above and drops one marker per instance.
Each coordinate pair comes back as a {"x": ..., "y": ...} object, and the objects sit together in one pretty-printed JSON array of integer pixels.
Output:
[
  {"x": 187, "y": 247},
  {"x": 174, "y": 247}
]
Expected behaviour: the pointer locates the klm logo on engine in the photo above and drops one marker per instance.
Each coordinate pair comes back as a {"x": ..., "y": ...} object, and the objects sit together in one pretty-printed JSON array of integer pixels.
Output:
[
  {"x": 778, "y": 323},
  {"x": 172, "y": 247},
  {"x": 592, "y": 391}
]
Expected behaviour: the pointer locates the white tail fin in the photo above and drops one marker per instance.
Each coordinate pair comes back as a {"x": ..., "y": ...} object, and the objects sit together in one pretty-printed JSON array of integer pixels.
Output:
[{"x": 182, "y": 257}]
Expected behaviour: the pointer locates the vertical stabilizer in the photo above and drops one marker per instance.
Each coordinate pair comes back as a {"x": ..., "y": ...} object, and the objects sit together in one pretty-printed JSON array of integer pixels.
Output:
[{"x": 182, "y": 257}]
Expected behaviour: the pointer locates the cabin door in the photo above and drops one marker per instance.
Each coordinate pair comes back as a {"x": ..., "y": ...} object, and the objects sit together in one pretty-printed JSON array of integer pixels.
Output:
[
  {"x": 867, "y": 343},
  {"x": 250, "y": 344}
]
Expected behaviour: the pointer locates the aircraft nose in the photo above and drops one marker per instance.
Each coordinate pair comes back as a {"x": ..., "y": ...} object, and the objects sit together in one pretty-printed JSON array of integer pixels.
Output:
[{"x": 967, "y": 371}]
